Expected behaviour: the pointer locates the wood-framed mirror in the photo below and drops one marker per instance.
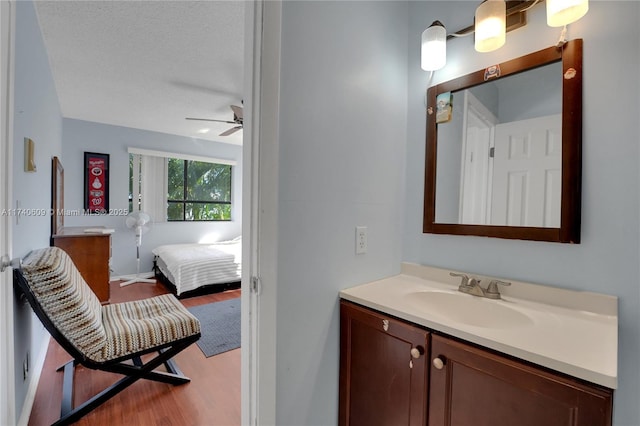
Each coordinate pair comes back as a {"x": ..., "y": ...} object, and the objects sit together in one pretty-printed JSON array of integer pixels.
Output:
[{"x": 504, "y": 149}]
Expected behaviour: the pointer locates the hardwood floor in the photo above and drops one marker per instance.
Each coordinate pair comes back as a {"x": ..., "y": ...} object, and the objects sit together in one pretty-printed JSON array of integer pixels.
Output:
[{"x": 211, "y": 398}]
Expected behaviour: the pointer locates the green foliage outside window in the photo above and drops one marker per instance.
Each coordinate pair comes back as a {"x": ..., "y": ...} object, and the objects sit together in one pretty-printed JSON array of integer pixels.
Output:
[
  {"x": 198, "y": 191},
  {"x": 131, "y": 183}
]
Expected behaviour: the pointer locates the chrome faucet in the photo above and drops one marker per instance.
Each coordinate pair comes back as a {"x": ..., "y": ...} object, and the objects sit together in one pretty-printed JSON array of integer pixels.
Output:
[
  {"x": 472, "y": 286},
  {"x": 469, "y": 285},
  {"x": 492, "y": 291}
]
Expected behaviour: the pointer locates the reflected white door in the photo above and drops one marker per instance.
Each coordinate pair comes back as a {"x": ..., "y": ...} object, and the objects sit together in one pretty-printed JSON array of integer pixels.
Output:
[{"x": 527, "y": 180}]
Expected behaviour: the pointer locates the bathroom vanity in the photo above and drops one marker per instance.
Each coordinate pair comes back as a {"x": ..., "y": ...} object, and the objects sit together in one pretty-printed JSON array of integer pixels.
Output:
[{"x": 416, "y": 351}]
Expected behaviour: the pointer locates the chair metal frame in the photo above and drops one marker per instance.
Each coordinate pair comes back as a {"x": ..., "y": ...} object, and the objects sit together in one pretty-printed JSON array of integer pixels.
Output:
[{"x": 133, "y": 371}]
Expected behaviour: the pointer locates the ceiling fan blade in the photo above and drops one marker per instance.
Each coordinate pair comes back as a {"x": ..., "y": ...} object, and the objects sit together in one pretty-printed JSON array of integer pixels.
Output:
[
  {"x": 230, "y": 131},
  {"x": 211, "y": 119},
  {"x": 237, "y": 111}
]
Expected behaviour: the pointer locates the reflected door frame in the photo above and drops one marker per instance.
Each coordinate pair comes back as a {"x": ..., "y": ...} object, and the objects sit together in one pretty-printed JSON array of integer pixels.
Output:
[{"x": 476, "y": 180}]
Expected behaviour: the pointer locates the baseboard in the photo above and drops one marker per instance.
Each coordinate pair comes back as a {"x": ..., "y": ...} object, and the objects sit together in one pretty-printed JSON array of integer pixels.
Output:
[{"x": 36, "y": 372}]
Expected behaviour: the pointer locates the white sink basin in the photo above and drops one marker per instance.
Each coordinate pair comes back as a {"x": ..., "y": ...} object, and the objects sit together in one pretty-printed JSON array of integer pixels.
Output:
[
  {"x": 468, "y": 309},
  {"x": 574, "y": 332}
]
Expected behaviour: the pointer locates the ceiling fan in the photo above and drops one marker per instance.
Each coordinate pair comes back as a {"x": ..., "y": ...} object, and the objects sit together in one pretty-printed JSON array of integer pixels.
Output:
[{"x": 237, "y": 119}]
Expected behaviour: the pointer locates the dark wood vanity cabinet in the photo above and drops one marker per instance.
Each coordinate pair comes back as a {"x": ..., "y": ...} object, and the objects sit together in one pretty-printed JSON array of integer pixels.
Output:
[
  {"x": 383, "y": 369},
  {"x": 451, "y": 383},
  {"x": 481, "y": 388}
]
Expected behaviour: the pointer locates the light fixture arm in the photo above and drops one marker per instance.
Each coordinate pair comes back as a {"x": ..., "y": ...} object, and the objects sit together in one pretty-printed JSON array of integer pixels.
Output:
[
  {"x": 563, "y": 37},
  {"x": 516, "y": 17}
]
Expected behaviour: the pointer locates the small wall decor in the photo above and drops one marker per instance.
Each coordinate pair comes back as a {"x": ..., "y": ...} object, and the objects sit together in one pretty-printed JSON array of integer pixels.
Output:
[
  {"x": 29, "y": 155},
  {"x": 443, "y": 107},
  {"x": 96, "y": 182}
]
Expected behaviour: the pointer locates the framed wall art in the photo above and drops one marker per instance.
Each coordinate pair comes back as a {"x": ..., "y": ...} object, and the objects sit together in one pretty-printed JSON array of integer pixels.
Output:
[
  {"x": 57, "y": 196},
  {"x": 96, "y": 182}
]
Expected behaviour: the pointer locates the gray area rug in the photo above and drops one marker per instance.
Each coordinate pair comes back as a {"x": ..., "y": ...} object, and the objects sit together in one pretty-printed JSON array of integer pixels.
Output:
[{"x": 220, "y": 323}]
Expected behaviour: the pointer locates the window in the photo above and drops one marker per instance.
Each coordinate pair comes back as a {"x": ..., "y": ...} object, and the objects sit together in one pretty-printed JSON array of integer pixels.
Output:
[
  {"x": 179, "y": 187},
  {"x": 198, "y": 191},
  {"x": 132, "y": 182}
]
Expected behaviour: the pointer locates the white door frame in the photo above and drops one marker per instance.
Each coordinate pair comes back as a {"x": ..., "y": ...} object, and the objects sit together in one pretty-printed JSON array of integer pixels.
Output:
[
  {"x": 7, "y": 384},
  {"x": 260, "y": 211},
  {"x": 248, "y": 362}
]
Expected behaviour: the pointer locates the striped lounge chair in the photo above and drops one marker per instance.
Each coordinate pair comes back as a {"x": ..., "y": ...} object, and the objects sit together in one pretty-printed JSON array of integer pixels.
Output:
[{"x": 109, "y": 338}]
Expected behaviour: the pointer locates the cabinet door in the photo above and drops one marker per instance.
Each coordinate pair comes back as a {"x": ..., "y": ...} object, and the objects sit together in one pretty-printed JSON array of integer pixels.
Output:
[
  {"x": 381, "y": 381},
  {"x": 478, "y": 387}
]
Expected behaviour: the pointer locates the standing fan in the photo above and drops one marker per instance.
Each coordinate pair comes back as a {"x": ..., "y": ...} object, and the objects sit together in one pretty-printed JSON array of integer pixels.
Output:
[{"x": 139, "y": 222}]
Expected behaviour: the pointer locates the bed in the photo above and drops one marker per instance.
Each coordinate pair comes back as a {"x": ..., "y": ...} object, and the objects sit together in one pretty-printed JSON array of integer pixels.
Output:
[{"x": 190, "y": 267}]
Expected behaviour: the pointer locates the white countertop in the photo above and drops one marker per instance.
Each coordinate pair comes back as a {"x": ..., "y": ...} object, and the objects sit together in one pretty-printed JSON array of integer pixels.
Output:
[{"x": 572, "y": 332}]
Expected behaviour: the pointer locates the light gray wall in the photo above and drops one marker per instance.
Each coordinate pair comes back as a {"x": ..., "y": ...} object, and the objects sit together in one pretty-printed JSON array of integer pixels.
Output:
[
  {"x": 37, "y": 116},
  {"x": 84, "y": 136},
  {"x": 488, "y": 94},
  {"x": 342, "y": 143},
  {"x": 607, "y": 259},
  {"x": 536, "y": 93}
]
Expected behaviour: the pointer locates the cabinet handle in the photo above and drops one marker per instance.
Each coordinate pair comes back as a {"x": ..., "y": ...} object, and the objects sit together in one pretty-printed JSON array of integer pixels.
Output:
[
  {"x": 438, "y": 363},
  {"x": 417, "y": 352}
]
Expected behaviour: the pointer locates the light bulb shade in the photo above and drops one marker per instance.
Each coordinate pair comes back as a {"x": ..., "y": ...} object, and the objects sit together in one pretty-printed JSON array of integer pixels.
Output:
[
  {"x": 564, "y": 12},
  {"x": 490, "y": 28},
  {"x": 434, "y": 47}
]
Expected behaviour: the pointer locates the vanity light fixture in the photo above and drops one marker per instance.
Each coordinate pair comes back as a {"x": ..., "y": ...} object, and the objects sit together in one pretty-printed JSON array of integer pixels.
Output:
[
  {"x": 434, "y": 47},
  {"x": 564, "y": 12},
  {"x": 490, "y": 26},
  {"x": 493, "y": 18}
]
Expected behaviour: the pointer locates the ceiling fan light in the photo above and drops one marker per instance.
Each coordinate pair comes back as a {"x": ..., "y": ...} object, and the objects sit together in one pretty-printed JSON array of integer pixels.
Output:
[
  {"x": 564, "y": 12},
  {"x": 434, "y": 47},
  {"x": 490, "y": 26}
]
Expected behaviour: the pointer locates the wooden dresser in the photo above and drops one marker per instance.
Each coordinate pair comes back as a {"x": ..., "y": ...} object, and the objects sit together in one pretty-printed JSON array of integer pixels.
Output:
[{"x": 90, "y": 253}]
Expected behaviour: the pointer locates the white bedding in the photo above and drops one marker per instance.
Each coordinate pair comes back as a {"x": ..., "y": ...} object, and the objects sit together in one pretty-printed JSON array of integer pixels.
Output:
[{"x": 190, "y": 266}]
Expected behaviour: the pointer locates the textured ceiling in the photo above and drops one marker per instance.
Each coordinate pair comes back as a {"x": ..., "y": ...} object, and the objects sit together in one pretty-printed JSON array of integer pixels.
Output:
[{"x": 147, "y": 64}]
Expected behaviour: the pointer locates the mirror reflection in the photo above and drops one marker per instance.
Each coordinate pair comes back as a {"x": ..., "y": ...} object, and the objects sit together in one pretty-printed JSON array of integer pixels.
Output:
[
  {"x": 499, "y": 156},
  {"x": 504, "y": 149}
]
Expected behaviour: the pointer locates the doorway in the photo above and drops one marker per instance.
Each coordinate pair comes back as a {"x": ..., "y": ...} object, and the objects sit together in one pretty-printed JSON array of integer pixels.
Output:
[{"x": 250, "y": 225}]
